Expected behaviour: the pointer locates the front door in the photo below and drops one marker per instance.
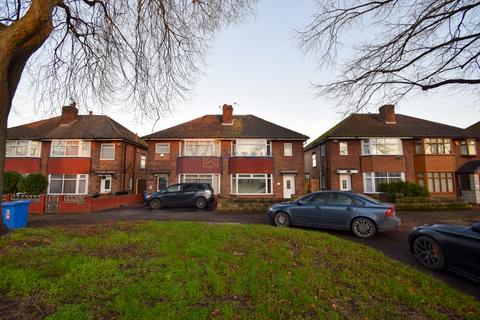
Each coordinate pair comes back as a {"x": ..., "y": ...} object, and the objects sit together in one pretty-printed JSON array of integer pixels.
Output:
[
  {"x": 105, "y": 184},
  {"x": 288, "y": 185},
  {"x": 162, "y": 181},
  {"x": 345, "y": 182}
]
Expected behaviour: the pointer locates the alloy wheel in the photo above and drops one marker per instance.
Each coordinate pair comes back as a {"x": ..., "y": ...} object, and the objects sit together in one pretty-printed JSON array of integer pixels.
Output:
[
  {"x": 155, "y": 204},
  {"x": 201, "y": 203},
  {"x": 281, "y": 219},
  {"x": 363, "y": 228},
  {"x": 428, "y": 253}
]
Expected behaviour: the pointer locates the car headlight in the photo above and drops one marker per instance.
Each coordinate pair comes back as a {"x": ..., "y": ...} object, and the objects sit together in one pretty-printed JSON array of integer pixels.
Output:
[{"x": 149, "y": 196}]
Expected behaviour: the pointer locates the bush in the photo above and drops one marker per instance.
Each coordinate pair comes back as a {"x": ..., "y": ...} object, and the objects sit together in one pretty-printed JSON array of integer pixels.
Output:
[
  {"x": 12, "y": 182},
  {"x": 408, "y": 189},
  {"x": 35, "y": 183}
]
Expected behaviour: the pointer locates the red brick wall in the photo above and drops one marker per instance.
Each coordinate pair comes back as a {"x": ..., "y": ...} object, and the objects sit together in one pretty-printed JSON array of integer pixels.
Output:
[
  {"x": 23, "y": 165},
  {"x": 166, "y": 164},
  {"x": 199, "y": 165},
  {"x": 68, "y": 165},
  {"x": 295, "y": 163},
  {"x": 251, "y": 165}
]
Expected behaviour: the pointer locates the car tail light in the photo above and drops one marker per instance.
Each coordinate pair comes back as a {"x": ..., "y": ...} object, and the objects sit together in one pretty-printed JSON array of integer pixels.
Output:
[{"x": 390, "y": 212}]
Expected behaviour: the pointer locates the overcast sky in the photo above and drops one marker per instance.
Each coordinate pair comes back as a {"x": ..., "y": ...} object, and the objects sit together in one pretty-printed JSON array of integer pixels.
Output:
[{"x": 258, "y": 66}]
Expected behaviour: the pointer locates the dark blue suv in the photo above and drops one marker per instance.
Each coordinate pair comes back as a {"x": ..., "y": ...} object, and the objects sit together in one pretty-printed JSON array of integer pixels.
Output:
[{"x": 199, "y": 195}]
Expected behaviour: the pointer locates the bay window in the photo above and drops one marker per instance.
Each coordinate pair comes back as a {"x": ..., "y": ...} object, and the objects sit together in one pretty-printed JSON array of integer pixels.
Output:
[
  {"x": 382, "y": 146},
  {"x": 211, "y": 179},
  {"x": 23, "y": 148},
  {"x": 67, "y": 183},
  {"x": 201, "y": 148},
  {"x": 252, "y": 148},
  {"x": 373, "y": 180},
  {"x": 468, "y": 147},
  {"x": 437, "y": 146},
  {"x": 251, "y": 184},
  {"x": 70, "y": 148}
]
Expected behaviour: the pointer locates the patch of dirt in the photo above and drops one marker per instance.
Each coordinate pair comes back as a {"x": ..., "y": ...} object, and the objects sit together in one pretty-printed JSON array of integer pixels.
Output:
[{"x": 29, "y": 308}]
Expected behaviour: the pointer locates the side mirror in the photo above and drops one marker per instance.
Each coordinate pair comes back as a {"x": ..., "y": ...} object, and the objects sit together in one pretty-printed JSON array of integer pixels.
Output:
[
  {"x": 476, "y": 227},
  {"x": 299, "y": 203}
]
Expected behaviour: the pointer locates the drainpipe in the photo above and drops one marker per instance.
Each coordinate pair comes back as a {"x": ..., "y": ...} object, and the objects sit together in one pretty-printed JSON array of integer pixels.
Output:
[{"x": 124, "y": 164}]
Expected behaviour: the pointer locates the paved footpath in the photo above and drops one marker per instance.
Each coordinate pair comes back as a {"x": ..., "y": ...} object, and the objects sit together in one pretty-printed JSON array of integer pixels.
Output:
[{"x": 392, "y": 244}]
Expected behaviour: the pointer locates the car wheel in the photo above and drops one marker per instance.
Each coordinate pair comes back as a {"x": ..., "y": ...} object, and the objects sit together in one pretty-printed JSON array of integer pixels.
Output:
[
  {"x": 428, "y": 253},
  {"x": 156, "y": 204},
  {"x": 200, "y": 203},
  {"x": 363, "y": 228},
  {"x": 281, "y": 219}
]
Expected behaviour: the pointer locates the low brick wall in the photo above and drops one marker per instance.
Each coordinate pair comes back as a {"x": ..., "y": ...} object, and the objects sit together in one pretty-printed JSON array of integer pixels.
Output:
[
  {"x": 78, "y": 203},
  {"x": 429, "y": 203},
  {"x": 245, "y": 205}
]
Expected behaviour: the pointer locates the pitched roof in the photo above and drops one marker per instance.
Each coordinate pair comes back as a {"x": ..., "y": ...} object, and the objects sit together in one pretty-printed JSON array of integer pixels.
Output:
[
  {"x": 372, "y": 125},
  {"x": 84, "y": 127},
  {"x": 210, "y": 126},
  {"x": 474, "y": 129},
  {"x": 469, "y": 167}
]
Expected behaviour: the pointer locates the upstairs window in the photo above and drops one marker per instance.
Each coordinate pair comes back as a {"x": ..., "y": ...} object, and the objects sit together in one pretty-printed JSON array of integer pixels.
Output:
[
  {"x": 252, "y": 148},
  {"x": 314, "y": 160},
  {"x": 143, "y": 161},
  {"x": 162, "y": 148},
  {"x": 23, "y": 148},
  {"x": 107, "y": 151},
  {"x": 343, "y": 148},
  {"x": 382, "y": 146},
  {"x": 287, "y": 149},
  {"x": 437, "y": 146},
  {"x": 323, "y": 150},
  {"x": 468, "y": 147},
  {"x": 70, "y": 148},
  {"x": 200, "y": 148}
]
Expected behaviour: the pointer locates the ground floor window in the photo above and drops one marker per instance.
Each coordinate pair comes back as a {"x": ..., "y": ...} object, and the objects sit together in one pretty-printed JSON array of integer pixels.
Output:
[
  {"x": 440, "y": 182},
  {"x": 68, "y": 183},
  {"x": 373, "y": 180},
  {"x": 211, "y": 179},
  {"x": 251, "y": 184}
]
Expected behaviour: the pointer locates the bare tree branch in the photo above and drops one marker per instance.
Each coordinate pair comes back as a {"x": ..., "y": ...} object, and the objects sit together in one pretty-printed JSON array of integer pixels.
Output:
[{"x": 406, "y": 46}]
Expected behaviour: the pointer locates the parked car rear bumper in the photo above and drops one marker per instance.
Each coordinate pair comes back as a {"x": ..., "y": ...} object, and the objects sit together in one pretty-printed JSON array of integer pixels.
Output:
[{"x": 389, "y": 224}]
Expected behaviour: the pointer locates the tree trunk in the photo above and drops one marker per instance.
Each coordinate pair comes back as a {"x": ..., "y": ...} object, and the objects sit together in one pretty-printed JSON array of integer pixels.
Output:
[{"x": 18, "y": 42}]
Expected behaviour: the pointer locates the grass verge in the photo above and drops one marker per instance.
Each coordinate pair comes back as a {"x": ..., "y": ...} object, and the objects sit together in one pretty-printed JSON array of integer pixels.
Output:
[{"x": 197, "y": 270}]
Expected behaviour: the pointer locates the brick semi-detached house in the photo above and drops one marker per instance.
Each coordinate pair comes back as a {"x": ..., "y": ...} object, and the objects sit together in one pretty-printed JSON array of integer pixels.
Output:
[
  {"x": 239, "y": 155},
  {"x": 366, "y": 150},
  {"x": 80, "y": 154}
]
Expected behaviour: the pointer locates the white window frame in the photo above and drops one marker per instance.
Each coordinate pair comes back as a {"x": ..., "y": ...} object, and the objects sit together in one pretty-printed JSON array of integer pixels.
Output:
[
  {"x": 84, "y": 148},
  {"x": 31, "y": 144},
  {"x": 264, "y": 142},
  {"x": 372, "y": 150},
  {"x": 161, "y": 175},
  {"x": 143, "y": 162},
  {"x": 78, "y": 178},
  {"x": 314, "y": 160},
  {"x": 213, "y": 176},
  {"x": 371, "y": 175},
  {"x": 102, "y": 146},
  {"x": 215, "y": 147},
  {"x": 343, "y": 148},
  {"x": 242, "y": 176},
  {"x": 288, "y": 149},
  {"x": 160, "y": 145}
]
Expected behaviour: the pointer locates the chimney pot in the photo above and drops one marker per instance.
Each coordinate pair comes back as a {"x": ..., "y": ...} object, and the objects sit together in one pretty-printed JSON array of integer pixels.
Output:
[
  {"x": 90, "y": 113},
  {"x": 387, "y": 113},
  {"x": 227, "y": 114},
  {"x": 69, "y": 113}
]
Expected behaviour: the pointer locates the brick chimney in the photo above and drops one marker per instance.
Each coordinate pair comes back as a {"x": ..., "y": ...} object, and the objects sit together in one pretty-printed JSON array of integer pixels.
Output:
[
  {"x": 227, "y": 115},
  {"x": 387, "y": 113},
  {"x": 69, "y": 113}
]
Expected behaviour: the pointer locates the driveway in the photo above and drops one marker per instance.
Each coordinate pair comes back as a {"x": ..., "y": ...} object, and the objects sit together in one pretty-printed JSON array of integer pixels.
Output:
[{"x": 392, "y": 244}]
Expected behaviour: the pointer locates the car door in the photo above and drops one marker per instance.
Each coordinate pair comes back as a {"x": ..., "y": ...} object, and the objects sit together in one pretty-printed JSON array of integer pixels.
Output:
[
  {"x": 188, "y": 194},
  {"x": 464, "y": 252},
  {"x": 171, "y": 195},
  {"x": 309, "y": 212},
  {"x": 338, "y": 212}
]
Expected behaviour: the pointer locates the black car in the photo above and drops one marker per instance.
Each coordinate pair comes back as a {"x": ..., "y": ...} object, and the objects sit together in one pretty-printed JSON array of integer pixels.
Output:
[
  {"x": 454, "y": 247},
  {"x": 182, "y": 194}
]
